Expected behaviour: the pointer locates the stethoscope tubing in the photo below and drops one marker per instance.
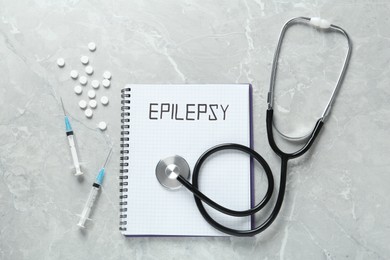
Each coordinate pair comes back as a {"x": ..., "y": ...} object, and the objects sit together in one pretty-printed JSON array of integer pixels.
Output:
[{"x": 199, "y": 197}]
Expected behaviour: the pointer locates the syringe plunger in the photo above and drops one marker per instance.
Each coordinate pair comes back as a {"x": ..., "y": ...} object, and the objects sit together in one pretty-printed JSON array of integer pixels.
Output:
[{"x": 88, "y": 205}]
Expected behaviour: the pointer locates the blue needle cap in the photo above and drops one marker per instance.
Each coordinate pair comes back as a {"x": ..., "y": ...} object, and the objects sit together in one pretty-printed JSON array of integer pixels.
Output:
[{"x": 100, "y": 176}]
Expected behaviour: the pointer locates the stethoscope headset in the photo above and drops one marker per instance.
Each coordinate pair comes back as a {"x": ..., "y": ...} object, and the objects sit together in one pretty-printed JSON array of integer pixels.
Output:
[{"x": 179, "y": 168}]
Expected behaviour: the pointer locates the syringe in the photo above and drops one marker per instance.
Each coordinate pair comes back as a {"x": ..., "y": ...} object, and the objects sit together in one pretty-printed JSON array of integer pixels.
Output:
[
  {"x": 92, "y": 194},
  {"x": 69, "y": 133}
]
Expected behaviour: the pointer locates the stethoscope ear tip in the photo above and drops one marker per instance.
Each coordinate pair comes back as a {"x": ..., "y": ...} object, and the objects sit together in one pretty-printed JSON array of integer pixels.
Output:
[{"x": 168, "y": 169}]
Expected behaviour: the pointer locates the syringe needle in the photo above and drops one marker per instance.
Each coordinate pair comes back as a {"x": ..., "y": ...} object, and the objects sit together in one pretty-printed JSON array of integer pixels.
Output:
[
  {"x": 108, "y": 156},
  {"x": 63, "y": 108}
]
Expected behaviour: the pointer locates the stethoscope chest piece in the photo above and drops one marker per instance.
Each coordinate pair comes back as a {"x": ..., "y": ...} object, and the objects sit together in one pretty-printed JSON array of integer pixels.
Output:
[{"x": 168, "y": 169}]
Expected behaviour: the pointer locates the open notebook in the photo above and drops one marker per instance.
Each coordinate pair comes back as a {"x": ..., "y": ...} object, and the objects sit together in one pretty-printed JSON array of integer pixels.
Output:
[{"x": 159, "y": 121}]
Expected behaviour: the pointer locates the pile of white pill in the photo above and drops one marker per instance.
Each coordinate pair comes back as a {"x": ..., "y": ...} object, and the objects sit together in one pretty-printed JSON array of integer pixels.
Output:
[{"x": 89, "y": 106}]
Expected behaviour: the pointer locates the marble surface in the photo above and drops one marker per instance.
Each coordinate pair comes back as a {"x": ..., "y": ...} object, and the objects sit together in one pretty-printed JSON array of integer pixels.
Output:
[{"x": 337, "y": 202}]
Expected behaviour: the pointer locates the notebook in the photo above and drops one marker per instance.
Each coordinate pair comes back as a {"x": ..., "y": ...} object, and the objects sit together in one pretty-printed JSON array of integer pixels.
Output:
[{"x": 159, "y": 121}]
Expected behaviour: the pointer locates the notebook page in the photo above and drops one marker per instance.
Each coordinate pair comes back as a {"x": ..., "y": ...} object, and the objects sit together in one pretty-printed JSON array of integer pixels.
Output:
[{"x": 160, "y": 126}]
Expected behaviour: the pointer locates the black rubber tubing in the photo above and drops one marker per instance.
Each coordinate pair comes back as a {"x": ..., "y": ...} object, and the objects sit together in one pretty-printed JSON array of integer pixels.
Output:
[{"x": 199, "y": 197}]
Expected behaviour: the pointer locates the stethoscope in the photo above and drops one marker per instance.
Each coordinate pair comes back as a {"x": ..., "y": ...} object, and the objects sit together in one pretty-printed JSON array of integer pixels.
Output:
[{"x": 174, "y": 171}]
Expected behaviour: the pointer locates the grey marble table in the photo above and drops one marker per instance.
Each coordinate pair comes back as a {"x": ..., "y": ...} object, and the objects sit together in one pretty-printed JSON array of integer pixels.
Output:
[{"x": 337, "y": 202}]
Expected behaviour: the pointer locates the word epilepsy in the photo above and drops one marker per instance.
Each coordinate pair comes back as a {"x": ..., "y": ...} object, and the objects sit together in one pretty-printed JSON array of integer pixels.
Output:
[{"x": 190, "y": 112}]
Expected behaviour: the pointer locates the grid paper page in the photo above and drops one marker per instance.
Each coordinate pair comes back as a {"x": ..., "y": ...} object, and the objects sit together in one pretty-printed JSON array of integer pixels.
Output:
[{"x": 155, "y": 135}]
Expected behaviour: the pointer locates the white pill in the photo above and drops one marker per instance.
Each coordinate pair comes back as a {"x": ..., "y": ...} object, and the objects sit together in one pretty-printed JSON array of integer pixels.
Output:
[
  {"x": 104, "y": 100},
  {"x": 74, "y": 74},
  {"x": 102, "y": 126},
  {"x": 92, "y": 103},
  {"x": 91, "y": 93},
  {"x": 95, "y": 83},
  {"x": 89, "y": 70},
  {"x": 88, "y": 112},
  {"x": 83, "y": 80},
  {"x": 83, "y": 104},
  {"x": 84, "y": 60},
  {"x": 92, "y": 46},
  {"x": 106, "y": 83},
  {"x": 107, "y": 75},
  {"x": 78, "y": 90},
  {"x": 61, "y": 62}
]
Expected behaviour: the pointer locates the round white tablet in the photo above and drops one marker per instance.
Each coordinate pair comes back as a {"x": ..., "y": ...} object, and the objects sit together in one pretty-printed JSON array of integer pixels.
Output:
[
  {"x": 102, "y": 125},
  {"x": 83, "y": 104},
  {"x": 83, "y": 80},
  {"x": 84, "y": 60},
  {"x": 104, "y": 100},
  {"x": 74, "y": 74},
  {"x": 95, "y": 83},
  {"x": 106, "y": 83},
  {"x": 88, "y": 112},
  {"x": 91, "y": 93},
  {"x": 61, "y": 62},
  {"x": 92, "y": 103},
  {"x": 89, "y": 70},
  {"x": 107, "y": 75},
  {"x": 92, "y": 46},
  {"x": 78, "y": 90}
]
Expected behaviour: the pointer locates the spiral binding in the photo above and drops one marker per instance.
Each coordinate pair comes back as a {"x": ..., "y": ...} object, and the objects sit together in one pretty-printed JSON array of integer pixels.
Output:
[{"x": 124, "y": 157}]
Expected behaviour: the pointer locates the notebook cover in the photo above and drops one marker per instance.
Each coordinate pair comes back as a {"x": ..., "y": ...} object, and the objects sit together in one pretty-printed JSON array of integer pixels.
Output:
[{"x": 251, "y": 167}]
